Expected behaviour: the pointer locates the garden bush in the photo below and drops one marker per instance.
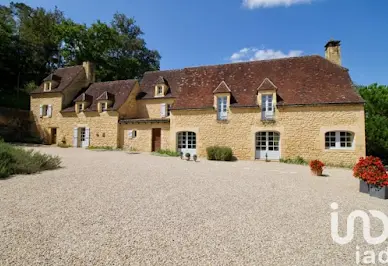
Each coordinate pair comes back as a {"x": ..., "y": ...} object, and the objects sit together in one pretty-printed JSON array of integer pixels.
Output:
[
  {"x": 218, "y": 153},
  {"x": 14, "y": 160},
  {"x": 296, "y": 160},
  {"x": 168, "y": 153}
]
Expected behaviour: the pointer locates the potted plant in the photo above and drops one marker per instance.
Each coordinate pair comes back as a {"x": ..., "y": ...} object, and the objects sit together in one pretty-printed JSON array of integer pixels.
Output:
[
  {"x": 195, "y": 157},
  {"x": 188, "y": 156},
  {"x": 181, "y": 155},
  {"x": 369, "y": 170},
  {"x": 378, "y": 187},
  {"x": 316, "y": 167}
]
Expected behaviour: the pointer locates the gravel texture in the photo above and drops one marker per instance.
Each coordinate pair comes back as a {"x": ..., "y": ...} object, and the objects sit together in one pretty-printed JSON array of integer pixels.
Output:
[{"x": 115, "y": 208}]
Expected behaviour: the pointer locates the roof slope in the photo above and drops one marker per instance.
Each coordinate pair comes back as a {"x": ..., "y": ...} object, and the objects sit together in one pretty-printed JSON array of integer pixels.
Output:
[
  {"x": 299, "y": 81},
  {"x": 118, "y": 90},
  {"x": 65, "y": 76}
]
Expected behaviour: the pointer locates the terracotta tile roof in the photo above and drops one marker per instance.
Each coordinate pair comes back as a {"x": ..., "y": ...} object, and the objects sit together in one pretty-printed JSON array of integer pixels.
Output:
[
  {"x": 267, "y": 85},
  {"x": 174, "y": 78},
  {"x": 105, "y": 96},
  {"x": 119, "y": 89},
  {"x": 222, "y": 88},
  {"x": 83, "y": 97},
  {"x": 300, "y": 81},
  {"x": 64, "y": 77}
]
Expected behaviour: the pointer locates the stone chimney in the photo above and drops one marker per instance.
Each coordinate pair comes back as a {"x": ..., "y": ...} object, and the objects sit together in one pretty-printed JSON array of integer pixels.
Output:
[
  {"x": 89, "y": 71},
  {"x": 333, "y": 51}
]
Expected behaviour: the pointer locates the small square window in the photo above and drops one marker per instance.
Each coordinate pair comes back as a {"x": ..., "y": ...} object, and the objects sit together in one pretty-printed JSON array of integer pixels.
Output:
[
  {"x": 81, "y": 107},
  {"x": 160, "y": 90}
]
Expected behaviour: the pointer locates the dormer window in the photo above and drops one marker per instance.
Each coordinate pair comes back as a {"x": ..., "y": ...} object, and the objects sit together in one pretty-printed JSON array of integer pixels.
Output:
[
  {"x": 222, "y": 95},
  {"x": 81, "y": 107},
  {"x": 104, "y": 107},
  {"x": 47, "y": 86},
  {"x": 161, "y": 87},
  {"x": 160, "y": 90}
]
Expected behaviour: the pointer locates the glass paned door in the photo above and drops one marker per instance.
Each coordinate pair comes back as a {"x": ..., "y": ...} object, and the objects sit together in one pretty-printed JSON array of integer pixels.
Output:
[
  {"x": 268, "y": 145},
  {"x": 187, "y": 142}
]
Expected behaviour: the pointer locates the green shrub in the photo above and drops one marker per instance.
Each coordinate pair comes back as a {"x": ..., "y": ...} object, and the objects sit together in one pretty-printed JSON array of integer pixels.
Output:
[
  {"x": 296, "y": 160},
  {"x": 218, "y": 153},
  {"x": 167, "y": 153},
  {"x": 15, "y": 160},
  {"x": 63, "y": 145}
]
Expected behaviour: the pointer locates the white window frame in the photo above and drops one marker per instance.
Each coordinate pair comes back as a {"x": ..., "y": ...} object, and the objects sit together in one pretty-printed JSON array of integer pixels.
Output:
[
  {"x": 159, "y": 90},
  {"x": 222, "y": 108},
  {"x": 81, "y": 107},
  {"x": 267, "y": 107},
  {"x": 339, "y": 140},
  {"x": 104, "y": 107},
  {"x": 45, "y": 108}
]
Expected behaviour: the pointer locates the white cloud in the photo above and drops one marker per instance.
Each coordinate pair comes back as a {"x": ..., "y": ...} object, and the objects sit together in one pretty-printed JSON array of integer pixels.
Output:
[
  {"x": 253, "y": 54},
  {"x": 251, "y": 4}
]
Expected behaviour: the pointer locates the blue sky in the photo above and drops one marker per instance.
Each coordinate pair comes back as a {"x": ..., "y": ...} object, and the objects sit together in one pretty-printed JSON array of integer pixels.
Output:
[{"x": 203, "y": 32}]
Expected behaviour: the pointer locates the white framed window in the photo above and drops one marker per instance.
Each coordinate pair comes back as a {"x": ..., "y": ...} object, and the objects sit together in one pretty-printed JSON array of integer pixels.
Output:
[
  {"x": 267, "y": 108},
  {"x": 47, "y": 86},
  {"x": 132, "y": 134},
  {"x": 44, "y": 110},
  {"x": 160, "y": 90},
  {"x": 222, "y": 113},
  {"x": 339, "y": 140}
]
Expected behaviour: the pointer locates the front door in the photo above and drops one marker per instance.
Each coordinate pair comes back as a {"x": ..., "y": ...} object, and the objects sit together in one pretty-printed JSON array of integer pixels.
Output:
[
  {"x": 156, "y": 139},
  {"x": 187, "y": 143},
  {"x": 53, "y": 136},
  {"x": 84, "y": 137},
  {"x": 267, "y": 145}
]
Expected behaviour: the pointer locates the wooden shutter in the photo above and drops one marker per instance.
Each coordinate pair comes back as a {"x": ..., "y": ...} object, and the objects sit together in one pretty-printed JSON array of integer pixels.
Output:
[
  {"x": 49, "y": 110},
  {"x": 163, "y": 110},
  {"x": 87, "y": 136},
  {"x": 75, "y": 137},
  {"x": 130, "y": 134},
  {"x": 41, "y": 111}
]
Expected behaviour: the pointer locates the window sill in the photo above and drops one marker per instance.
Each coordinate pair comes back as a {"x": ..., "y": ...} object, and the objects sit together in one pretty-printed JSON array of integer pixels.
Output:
[{"x": 222, "y": 121}]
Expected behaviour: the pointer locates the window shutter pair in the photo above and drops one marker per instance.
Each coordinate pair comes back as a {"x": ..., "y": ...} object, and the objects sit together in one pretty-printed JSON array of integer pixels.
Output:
[{"x": 163, "y": 110}]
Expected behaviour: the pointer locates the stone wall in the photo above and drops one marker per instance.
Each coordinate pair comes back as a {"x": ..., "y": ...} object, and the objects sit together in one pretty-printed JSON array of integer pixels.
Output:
[
  {"x": 143, "y": 140},
  {"x": 103, "y": 126},
  {"x": 15, "y": 124},
  {"x": 301, "y": 129},
  {"x": 151, "y": 108}
]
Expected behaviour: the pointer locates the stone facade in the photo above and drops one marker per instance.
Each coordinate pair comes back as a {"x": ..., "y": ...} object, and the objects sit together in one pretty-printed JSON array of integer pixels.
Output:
[
  {"x": 143, "y": 139},
  {"x": 302, "y": 130},
  {"x": 103, "y": 126}
]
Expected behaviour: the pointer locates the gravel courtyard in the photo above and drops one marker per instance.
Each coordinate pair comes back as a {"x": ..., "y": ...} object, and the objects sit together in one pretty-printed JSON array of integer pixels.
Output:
[{"x": 115, "y": 208}]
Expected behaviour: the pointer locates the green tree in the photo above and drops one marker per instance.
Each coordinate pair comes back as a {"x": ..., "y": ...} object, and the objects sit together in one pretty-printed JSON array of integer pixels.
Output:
[
  {"x": 117, "y": 49},
  {"x": 376, "y": 114}
]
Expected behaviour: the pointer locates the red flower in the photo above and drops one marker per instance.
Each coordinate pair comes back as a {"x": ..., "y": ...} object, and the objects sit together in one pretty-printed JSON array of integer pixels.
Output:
[
  {"x": 371, "y": 170},
  {"x": 316, "y": 165}
]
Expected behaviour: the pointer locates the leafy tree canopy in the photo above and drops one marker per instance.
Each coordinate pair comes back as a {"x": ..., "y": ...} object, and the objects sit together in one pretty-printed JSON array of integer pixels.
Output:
[
  {"x": 376, "y": 124},
  {"x": 35, "y": 41}
]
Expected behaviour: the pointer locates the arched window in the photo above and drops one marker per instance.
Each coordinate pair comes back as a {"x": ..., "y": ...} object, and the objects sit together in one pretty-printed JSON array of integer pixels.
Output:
[{"x": 339, "y": 140}]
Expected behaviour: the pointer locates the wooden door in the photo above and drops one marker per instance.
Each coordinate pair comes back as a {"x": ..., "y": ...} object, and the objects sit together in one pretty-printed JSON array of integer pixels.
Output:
[
  {"x": 53, "y": 136},
  {"x": 156, "y": 139}
]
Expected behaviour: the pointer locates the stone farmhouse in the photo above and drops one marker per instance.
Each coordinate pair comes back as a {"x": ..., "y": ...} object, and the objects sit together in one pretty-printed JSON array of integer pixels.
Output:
[{"x": 301, "y": 106}]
